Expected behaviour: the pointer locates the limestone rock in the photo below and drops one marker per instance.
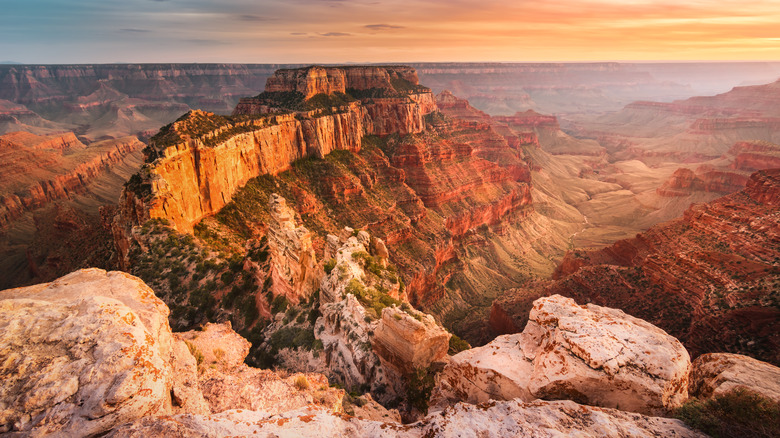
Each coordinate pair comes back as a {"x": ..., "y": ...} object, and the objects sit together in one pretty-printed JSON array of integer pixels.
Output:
[
  {"x": 185, "y": 394},
  {"x": 83, "y": 354},
  {"x": 715, "y": 374},
  {"x": 590, "y": 354},
  {"x": 293, "y": 263},
  {"x": 218, "y": 344},
  {"x": 408, "y": 342},
  {"x": 497, "y": 419},
  {"x": 333, "y": 285},
  {"x": 345, "y": 337},
  {"x": 265, "y": 390},
  {"x": 226, "y": 382}
]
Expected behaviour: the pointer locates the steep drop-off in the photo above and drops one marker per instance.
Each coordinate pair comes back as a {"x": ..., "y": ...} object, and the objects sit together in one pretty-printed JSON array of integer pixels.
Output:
[
  {"x": 709, "y": 278},
  {"x": 450, "y": 198},
  {"x": 51, "y": 190}
]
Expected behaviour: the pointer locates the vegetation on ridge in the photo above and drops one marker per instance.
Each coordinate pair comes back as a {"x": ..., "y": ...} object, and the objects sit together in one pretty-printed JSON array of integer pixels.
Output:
[{"x": 738, "y": 413}]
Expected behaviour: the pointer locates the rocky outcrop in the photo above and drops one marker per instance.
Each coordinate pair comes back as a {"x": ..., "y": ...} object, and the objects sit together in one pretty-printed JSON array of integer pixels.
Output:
[
  {"x": 226, "y": 382},
  {"x": 589, "y": 354},
  {"x": 294, "y": 269},
  {"x": 410, "y": 339},
  {"x": 716, "y": 374},
  {"x": 93, "y": 350},
  {"x": 371, "y": 336},
  {"x": 84, "y": 354},
  {"x": 199, "y": 162},
  {"x": 509, "y": 418}
]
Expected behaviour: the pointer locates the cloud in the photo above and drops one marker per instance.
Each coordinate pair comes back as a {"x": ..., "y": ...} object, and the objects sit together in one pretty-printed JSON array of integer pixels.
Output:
[
  {"x": 206, "y": 42},
  {"x": 383, "y": 27},
  {"x": 297, "y": 33},
  {"x": 252, "y": 17},
  {"x": 335, "y": 34},
  {"x": 134, "y": 30}
]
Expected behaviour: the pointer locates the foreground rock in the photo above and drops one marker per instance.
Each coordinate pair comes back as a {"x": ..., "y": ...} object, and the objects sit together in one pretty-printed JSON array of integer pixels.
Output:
[
  {"x": 409, "y": 339},
  {"x": 93, "y": 350},
  {"x": 226, "y": 382},
  {"x": 83, "y": 354},
  {"x": 498, "y": 419},
  {"x": 716, "y": 374},
  {"x": 591, "y": 354}
]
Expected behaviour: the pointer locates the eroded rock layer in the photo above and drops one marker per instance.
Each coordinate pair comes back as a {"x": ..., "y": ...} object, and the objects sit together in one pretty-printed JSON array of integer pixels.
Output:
[
  {"x": 200, "y": 161},
  {"x": 709, "y": 279}
]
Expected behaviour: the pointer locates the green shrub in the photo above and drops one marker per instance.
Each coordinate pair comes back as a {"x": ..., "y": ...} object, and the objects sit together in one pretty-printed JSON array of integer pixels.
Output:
[
  {"x": 457, "y": 345},
  {"x": 419, "y": 386},
  {"x": 329, "y": 265},
  {"x": 738, "y": 413},
  {"x": 279, "y": 304}
]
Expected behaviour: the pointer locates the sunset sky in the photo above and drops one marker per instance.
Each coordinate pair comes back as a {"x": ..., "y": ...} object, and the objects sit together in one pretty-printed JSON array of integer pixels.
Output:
[{"x": 341, "y": 31}]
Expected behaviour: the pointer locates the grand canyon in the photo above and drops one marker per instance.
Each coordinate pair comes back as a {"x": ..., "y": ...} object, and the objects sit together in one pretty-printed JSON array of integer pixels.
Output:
[{"x": 390, "y": 249}]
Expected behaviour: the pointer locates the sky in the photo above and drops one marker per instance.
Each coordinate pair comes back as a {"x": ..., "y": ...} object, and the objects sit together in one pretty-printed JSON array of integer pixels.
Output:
[{"x": 355, "y": 31}]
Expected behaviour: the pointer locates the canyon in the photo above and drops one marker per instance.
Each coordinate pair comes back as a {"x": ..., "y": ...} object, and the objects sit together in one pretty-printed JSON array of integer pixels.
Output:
[
  {"x": 351, "y": 227},
  {"x": 707, "y": 278}
]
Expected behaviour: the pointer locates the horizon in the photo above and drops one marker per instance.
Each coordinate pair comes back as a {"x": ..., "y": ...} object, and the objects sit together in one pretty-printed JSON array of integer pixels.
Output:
[{"x": 366, "y": 31}]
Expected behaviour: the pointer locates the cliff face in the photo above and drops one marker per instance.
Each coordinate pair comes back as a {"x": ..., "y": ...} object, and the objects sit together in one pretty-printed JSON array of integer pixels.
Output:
[
  {"x": 191, "y": 179},
  {"x": 329, "y": 80},
  {"x": 728, "y": 174},
  {"x": 201, "y": 160},
  {"x": 707, "y": 278}
]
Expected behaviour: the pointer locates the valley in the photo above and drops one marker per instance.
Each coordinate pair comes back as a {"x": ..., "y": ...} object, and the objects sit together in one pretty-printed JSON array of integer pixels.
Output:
[{"x": 351, "y": 225}]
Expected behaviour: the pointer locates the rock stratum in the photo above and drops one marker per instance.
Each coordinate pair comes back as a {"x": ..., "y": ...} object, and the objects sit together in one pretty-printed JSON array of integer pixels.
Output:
[
  {"x": 51, "y": 190},
  {"x": 201, "y": 160},
  {"x": 708, "y": 279},
  {"x": 63, "y": 377}
]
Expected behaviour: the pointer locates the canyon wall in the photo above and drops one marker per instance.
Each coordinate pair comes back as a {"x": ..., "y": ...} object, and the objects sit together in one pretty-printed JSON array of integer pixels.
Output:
[
  {"x": 40, "y": 170},
  {"x": 708, "y": 278},
  {"x": 198, "y": 162}
]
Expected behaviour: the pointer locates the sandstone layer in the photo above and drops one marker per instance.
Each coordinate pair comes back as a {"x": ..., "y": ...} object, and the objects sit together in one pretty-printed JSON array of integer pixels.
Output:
[
  {"x": 39, "y": 170},
  {"x": 716, "y": 374},
  {"x": 593, "y": 355},
  {"x": 536, "y": 419}
]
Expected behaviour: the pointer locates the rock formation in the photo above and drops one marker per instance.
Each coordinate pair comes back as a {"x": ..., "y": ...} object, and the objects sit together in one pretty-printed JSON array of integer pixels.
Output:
[
  {"x": 39, "y": 170},
  {"x": 409, "y": 339},
  {"x": 84, "y": 354},
  {"x": 199, "y": 162},
  {"x": 95, "y": 357},
  {"x": 593, "y": 355},
  {"x": 706, "y": 278},
  {"x": 508, "y": 418},
  {"x": 294, "y": 269},
  {"x": 714, "y": 374},
  {"x": 93, "y": 350},
  {"x": 370, "y": 337}
]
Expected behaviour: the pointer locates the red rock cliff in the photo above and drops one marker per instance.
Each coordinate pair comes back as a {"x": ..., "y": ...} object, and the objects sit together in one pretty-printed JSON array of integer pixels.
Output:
[{"x": 197, "y": 163}]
